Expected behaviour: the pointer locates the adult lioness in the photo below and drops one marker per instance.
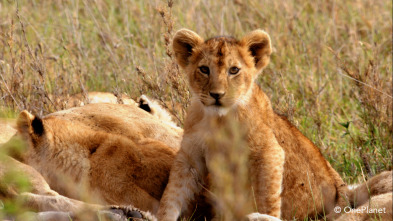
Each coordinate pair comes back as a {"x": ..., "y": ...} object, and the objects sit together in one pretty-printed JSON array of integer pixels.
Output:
[
  {"x": 119, "y": 152},
  {"x": 289, "y": 175}
]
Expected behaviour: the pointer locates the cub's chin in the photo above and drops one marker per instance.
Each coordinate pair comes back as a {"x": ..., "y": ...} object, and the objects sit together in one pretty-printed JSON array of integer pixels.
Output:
[{"x": 216, "y": 110}]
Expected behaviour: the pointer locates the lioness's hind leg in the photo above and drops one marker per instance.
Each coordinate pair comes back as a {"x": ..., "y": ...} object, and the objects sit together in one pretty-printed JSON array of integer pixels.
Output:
[
  {"x": 379, "y": 207},
  {"x": 55, "y": 203},
  {"x": 9, "y": 166},
  {"x": 379, "y": 184}
]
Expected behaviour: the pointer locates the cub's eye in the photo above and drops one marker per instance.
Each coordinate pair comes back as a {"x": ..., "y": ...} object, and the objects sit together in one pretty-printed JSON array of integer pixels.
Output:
[
  {"x": 233, "y": 70},
  {"x": 204, "y": 70}
]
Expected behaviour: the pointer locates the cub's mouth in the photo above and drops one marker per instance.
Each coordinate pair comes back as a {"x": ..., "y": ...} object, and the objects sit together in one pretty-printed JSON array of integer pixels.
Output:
[
  {"x": 212, "y": 103},
  {"x": 217, "y": 107},
  {"x": 217, "y": 103}
]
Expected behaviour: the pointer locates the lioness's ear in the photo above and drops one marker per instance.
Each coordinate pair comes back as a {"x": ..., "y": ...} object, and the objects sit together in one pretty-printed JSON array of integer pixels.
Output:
[
  {"x": 258, "y": 44},
  {"x": 184, "y": 42},
  {"x": 28, "y": 124}
]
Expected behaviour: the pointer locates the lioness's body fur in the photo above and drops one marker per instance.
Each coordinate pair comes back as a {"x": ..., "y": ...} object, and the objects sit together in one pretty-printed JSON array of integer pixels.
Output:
[
  {"x": 93, "y": 97},
  {"x": 7, "y": 129},
  {"x": 42, "y": 198},
  {"x": 120, "y": 152}
]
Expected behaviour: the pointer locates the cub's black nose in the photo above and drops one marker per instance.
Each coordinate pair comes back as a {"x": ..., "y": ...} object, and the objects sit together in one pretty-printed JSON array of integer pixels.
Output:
[{"x": 217, "y": 95}]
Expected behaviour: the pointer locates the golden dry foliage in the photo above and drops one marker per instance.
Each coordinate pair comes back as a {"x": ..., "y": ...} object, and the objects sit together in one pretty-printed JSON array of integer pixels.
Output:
[{"x": 228, "y": 167}]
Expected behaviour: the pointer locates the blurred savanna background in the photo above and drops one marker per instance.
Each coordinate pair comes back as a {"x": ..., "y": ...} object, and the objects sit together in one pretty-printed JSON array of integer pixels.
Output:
[{"x": 330, "y": 72}]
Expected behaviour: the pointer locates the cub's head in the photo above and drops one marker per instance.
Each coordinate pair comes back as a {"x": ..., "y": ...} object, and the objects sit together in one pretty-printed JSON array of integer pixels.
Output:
[{"x": 221, "y": 70}]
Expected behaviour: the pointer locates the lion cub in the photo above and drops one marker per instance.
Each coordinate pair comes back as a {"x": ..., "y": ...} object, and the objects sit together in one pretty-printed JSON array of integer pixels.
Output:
[{"x": 289, "y": 175}]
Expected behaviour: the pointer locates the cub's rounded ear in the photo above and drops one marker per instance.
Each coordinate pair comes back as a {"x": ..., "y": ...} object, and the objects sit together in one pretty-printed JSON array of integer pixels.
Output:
[
  {"x": 183, "y": 44},
  {"x": 259, "y": 45},
  {"x": 28, "y": 124}
]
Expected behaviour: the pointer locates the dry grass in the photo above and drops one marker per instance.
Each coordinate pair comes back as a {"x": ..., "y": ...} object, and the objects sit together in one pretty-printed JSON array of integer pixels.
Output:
[
  {"x": 230, "y": 186},
  {"x": 330, "y": 72}
]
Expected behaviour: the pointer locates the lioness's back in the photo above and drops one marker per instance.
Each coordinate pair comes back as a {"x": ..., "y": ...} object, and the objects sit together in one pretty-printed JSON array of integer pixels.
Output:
[{"x": 125, "y": 120}]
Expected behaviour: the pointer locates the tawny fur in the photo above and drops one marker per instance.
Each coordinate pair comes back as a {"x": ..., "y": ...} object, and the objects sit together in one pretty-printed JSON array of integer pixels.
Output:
[
  {"x": 290, "y": 176},
  {"x": 378, "y": 207},
  {"x": 9, "y": 166},
  {"x": 93, "y": 97},
  {"x": 377, "y": 185},
  {"x": 119, "y": 152},
  {"x": 7, "y": 129},
  {"x": 371, "y": 200},
  {"x": 42, "y": 198}
]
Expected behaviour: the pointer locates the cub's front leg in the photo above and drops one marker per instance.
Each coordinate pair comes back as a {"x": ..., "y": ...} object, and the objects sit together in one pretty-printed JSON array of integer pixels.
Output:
[
  {"x": 267, "y": 168},
  {"x": 185, "y": 181}
]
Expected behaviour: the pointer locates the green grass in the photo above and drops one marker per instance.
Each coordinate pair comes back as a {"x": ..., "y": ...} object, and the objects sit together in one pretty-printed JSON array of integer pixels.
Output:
[{"x": 331, "y": 63}]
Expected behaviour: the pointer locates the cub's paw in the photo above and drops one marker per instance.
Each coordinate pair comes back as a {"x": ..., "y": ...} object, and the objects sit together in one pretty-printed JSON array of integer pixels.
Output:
[{"x": 260, "y": 217}]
